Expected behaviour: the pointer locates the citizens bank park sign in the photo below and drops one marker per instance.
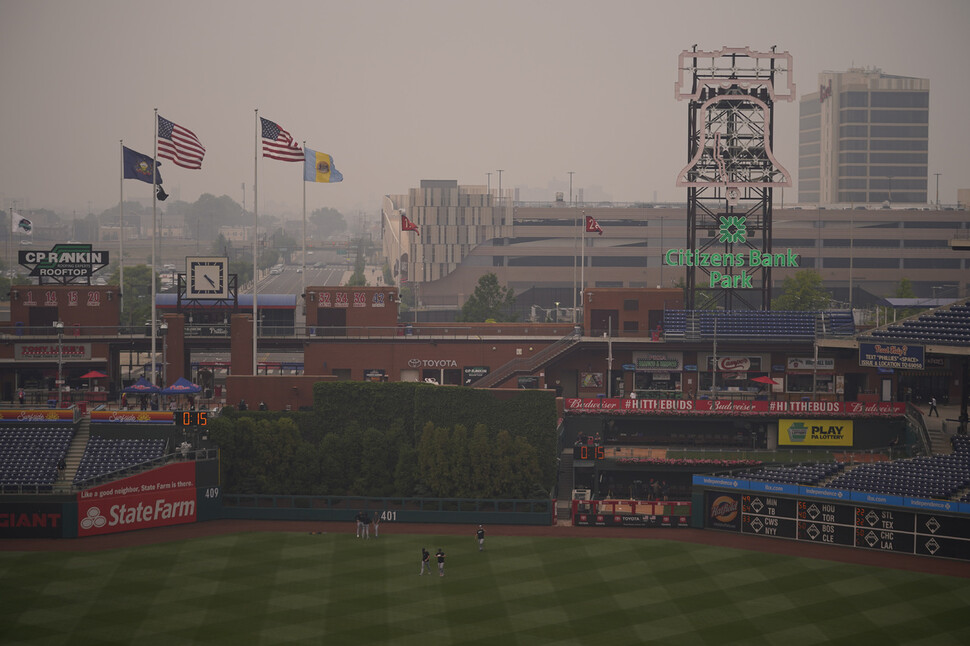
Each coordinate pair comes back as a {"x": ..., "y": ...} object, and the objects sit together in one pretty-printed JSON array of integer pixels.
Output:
[
  {"x": 65, "y": 263},
  {"x": 157, "y": 498},
  {"x": 732, "y": 229},
  {"x": 731, "y": 407}
]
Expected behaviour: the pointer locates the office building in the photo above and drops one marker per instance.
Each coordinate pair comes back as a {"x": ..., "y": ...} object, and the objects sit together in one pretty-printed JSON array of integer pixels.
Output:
[{"x": 864, "y": 139}]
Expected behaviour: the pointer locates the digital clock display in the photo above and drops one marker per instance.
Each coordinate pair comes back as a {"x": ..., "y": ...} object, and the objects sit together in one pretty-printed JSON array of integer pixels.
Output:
[{"x": 191, "y": 418}]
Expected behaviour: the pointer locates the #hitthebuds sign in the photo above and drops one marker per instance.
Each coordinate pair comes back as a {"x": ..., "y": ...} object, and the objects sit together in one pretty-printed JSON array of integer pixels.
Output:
[{"x": 157, "y": 498}]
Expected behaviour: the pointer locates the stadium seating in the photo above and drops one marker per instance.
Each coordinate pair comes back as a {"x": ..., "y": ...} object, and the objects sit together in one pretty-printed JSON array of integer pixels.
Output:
[
  {"x": 104, "y": 456},
  {"x": 29, "y": 455},
  {"x": 803, "y": 474},
  {"x": 755, "y": 324},
  {"x": 947, "y": 326}
]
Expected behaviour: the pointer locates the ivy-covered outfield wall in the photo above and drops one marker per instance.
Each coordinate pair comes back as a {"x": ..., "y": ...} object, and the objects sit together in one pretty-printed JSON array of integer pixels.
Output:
[{"x": 394, "y": 439}]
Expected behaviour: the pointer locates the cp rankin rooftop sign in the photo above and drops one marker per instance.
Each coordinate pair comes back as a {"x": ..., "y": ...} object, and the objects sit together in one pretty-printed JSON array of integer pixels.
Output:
[{"x": 67, "y": 263}]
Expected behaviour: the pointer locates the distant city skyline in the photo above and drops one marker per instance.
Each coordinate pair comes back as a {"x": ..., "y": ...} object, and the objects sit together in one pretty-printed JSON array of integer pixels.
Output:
[{"x": 429, "y": 89}]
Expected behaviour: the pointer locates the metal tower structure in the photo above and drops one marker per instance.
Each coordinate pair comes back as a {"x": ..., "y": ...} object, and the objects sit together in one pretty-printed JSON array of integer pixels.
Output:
[{"x": 731, "y": 171}]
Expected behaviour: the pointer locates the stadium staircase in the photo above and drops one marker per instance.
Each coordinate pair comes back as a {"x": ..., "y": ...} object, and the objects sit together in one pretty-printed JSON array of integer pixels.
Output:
[
  {"x": 564, "y": 488},
  {"x": 528, "y": 365},
  {"x": 75, "y": 451}
]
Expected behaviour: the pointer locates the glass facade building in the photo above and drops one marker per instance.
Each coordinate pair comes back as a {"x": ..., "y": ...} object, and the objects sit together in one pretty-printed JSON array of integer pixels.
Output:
[{"x": 864, "y": 139}]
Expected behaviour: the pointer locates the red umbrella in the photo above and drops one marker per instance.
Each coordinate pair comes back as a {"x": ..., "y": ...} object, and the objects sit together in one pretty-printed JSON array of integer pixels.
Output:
[
  {"x": 765, "y": 380},
  {"x": 93, "y": 374}
]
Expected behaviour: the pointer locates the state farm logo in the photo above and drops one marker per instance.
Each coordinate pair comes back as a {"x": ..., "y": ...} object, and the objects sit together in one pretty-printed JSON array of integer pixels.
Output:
[{"x": 94, "y": 519}]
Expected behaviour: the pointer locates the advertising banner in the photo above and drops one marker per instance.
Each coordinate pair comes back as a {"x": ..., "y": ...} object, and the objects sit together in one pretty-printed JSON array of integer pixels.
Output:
[
  {"x": 630, "y": 520},
  {"x": 31, "y": 520},
  {"x": 156, "y": 498},
  {"x": 131, "y": 417},
  {"x": 814, "y": 432},
  {"x": 722, "y": 510},
  {"x": 733, "y": 407},
  {"x": 44, "y": 415},
  {"x": 892, "y": 355},
  {"x": 52, "y": 350}
]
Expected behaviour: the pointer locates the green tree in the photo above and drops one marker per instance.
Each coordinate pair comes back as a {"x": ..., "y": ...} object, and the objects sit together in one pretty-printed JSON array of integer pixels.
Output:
[
  {"x": 703, "y": 299},
  {"x": 802, "y": 292},
  {"x": 358, "y": 279},
  {"x": 136, "y": 293},
  {"x": 489, "y": 301},
  {"x": 327, "y": 222},
  {"x": 905, "y": 290}
]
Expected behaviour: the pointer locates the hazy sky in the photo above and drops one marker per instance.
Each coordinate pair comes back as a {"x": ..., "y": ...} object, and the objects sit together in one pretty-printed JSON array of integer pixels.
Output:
[{"x": 398, "y": 91}]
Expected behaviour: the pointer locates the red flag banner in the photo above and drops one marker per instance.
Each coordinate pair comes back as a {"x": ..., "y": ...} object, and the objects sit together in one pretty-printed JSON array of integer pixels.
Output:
[
  {"x": 592, "y": 226},
  {"x": 407, "y": 225}
]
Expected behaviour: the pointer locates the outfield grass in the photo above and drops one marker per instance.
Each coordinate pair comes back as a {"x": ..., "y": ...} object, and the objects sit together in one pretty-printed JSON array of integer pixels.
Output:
[{"x": 288, "y": 588}]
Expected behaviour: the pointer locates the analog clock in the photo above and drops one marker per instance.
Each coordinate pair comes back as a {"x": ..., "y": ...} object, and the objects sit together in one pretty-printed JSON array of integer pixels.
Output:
[{"x": 206, "y": 278}]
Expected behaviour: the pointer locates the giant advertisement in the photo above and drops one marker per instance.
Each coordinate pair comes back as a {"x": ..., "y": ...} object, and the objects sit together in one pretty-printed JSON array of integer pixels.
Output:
[
  {"x": 814, "y": 432},
  {"x": 31, "y": 520},
  {"x": 156, "y": 498},
  {"x": 900, "y": 356}
]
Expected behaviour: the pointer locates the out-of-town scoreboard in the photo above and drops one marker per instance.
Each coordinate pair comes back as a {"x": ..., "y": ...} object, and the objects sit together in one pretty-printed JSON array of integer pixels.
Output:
[{"x": 840, "y": 521}]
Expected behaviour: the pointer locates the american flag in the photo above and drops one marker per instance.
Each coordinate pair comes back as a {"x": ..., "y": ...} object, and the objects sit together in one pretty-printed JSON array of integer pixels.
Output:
[
  {"x": 179, "y": 145},
  {"x": 278, "y": 144},
  {"x": 592, "y": 226}
]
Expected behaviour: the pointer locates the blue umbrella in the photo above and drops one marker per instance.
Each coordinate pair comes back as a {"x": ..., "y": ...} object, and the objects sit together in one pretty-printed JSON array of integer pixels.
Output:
[
  {"x": 182, "y": 386},
  {"x": 142, "y": 387}
]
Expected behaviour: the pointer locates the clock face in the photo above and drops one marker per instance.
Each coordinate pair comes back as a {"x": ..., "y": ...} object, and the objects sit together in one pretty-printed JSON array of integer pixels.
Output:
[{"x": 206, "y": 278}]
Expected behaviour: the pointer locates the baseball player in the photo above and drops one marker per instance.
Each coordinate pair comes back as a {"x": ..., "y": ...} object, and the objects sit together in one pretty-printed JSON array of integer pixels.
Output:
[
  {"x": 425, "y": 561},
  {"x": 440, "y": 555},
  {"x": 481, "y": 538}
]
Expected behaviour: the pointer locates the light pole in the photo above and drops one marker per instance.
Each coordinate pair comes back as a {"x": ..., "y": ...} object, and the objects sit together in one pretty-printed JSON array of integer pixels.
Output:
[
  {"x": 163, "y": 328},
  {"x": 571, "y": 172},
  {"x": 937, "y": 188},
  {"x": 557, "y": 311},
  {"x": 59, "y": 326}
]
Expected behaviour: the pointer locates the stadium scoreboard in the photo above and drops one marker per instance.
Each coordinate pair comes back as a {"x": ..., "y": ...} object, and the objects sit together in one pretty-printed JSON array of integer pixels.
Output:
[
  {"x": 839, "y": 523},
  {"x": 191, "y": 418}
]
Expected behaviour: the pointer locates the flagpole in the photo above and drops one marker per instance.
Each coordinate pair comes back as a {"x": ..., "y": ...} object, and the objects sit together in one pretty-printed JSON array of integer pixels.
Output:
[
  {"x": 582, "y": 270},
  {"x": 304, "y": 233},
  {"x": 575, "y": 240},
  {"x": 255, "y": 236},
  {"x": 121, "y": 234},
  {"x": 154, "y": 229}
]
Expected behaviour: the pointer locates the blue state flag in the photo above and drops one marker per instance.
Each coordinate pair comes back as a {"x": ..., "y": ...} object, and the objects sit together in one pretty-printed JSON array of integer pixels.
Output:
[
  {"x": 318, "y": 167},
  {"x": 139, "y": 166}
]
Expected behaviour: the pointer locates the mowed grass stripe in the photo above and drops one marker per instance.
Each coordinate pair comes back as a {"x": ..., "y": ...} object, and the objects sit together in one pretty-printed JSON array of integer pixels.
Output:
[{"x": 266, "y": 588}]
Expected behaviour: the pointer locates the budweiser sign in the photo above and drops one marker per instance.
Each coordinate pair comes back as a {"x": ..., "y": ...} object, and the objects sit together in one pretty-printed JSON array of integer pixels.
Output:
[{"x": 732, "y": 407}]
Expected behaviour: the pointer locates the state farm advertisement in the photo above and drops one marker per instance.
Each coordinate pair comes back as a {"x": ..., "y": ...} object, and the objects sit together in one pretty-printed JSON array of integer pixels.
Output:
[{"x": 160, "y": 497}]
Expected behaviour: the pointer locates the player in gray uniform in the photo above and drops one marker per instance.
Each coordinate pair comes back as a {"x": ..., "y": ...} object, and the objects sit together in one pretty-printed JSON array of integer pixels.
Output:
[
  {"x": 425, "y": 561},
  {"x": 481, "y": 538}
]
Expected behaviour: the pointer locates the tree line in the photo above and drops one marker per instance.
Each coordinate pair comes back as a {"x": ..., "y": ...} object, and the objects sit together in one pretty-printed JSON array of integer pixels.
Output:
[{"x": 394, "y": 440}]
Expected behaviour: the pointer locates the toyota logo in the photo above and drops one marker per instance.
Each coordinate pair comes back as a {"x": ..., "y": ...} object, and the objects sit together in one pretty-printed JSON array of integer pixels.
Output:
[{"x": 414, "y": 363}]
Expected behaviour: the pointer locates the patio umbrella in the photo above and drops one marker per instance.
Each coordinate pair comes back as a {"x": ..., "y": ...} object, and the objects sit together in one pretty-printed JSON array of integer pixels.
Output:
[
  {"x": 765, "y": 380},
  {"x": 93, "y": 374},
  {"x": 142, "y": 387},
  {"x": 182, "y": 386}
]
